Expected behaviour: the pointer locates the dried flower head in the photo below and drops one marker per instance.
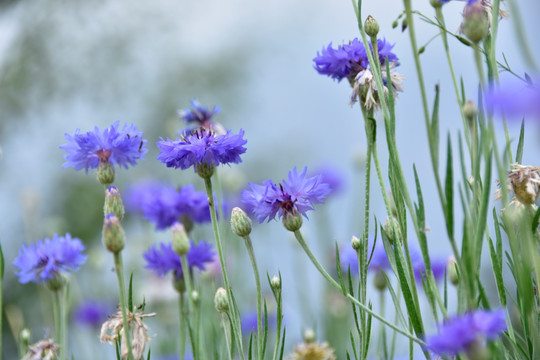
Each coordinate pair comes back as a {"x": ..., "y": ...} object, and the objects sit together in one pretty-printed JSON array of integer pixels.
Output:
[
  {"x": 524, "y": 181},
  {"x": 114, "y": 327},
  {"x": 365, "y": 88},
  {"x": 312, "y": 351},
  {"x": 45, "y": 349}
]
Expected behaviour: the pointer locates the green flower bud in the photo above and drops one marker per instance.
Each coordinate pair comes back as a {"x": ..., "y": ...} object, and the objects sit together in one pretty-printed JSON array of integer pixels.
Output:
[
  {"x": 221, "y": 300},
  {"x": 392, "y": 231},
  {"x": 371, "y": 26},
  {"x": 113, "y": 203},
  {"x": 195, "y": 296},
  {"x": 379, "y": 281},
  {"x": 309, "y": 336},
  {"x": 475, "y": 21},
  {"x": 404, "y": 24},
  {"x": 356, "y": 243},
  {"x": 56, "y": 283},
  {"x": 24, "y": 336},
  {"x": 113, "y": 235},
  {"x": 105, "y": 173},
  {"x": 421, "y": 50},
  {"x": 470, "y": 110},
  {"x": 179, "y": 284},
  {"x": 452, "y": 270},
  {"x": 240, "y": 222},
  {"x": 205, "y": 170},
  {"x": 187, "y": 221},
  {"x": 275, "y": 282},
  {"x": 395, "y": 23},
  {"x": 292, "y": 220},
  {"x": 180, "y": 239},
  {"x": 436, "y": 3}
]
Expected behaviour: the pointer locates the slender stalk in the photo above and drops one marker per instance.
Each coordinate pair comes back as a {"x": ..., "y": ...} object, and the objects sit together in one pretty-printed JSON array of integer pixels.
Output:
[
  {"x": 351, "y": 298},
  {"x": 227, "y": 340},
  {"x": 1, "y": 283},
  {"x": 191, "y": 306},
  {"x": 522, "y": 39},
  {"x": 249, "y": 247},
  {"x": 119, "y": 267},
  {"x": 57, "y": 309},
  {"x": 209, "y": 192},
  {"x": 182, "y": 332},
  {"x": 479, "y": 65}
]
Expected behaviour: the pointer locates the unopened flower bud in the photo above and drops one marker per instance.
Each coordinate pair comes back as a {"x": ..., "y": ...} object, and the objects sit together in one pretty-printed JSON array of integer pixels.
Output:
[
  {"x": 436, "y": 3},
  {"x": 187, "y": 222},
  {"x": 113, "y": 234},
  {"x": 113, "y": 202},
  {"x": 195, "y": 296},
  {"x": 379, "y": 281},
  {"x": 275, "y": 282},
  {"x": 371, "y": 26},
  {"x": 221, "y": 300},
  {"x": 393, "y": 231},
  {"x": 292, "y": 220},
  {"x": 475, "y": 21},
  {"x": 356, "y": 243},
  {"x": 180, "y": 239},
  {"x": 395, "y": 24},
  {"x": 24, "y": 336},
  {"x": 240, "y": 222},
  {"x": 470, "y": 110},
  {"x": 404, "y": 24},
  {"x": 309, "y": 336},
  {"x": 205, "y": 170},
  {"x": 421, "y": 50},
  {"x": 56, "y": 283},
  {"x": 105, "y": 173},
  {"x": 452, "y": 269},
  {"x": 179, "y": 284}
]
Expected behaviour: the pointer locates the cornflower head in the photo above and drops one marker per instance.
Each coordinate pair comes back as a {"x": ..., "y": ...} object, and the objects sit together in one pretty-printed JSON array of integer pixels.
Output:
[
  {"x": 103, "y": 149},
  {"x": 288, "y": 199},
  {"x": 203, "y": 149},
  {"x": 201, "y": 116},
  {"x": 351, "y": 61},
  {"x": 514, "y": 99},
  {"x": 163, "y": 205},
  {"x": 47, "y": 260},
  {"x": 467, "y": 333},
  {"x": 524, "y": 181}
]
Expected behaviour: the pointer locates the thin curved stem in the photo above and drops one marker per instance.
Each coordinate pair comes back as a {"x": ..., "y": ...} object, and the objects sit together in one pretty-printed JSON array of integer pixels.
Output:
[
  {"x": 182, "y": 332},
  {"x": 119, "y": 267},
  {"x": 251, "y": 253},
  {"x": 189, "y": 292}
]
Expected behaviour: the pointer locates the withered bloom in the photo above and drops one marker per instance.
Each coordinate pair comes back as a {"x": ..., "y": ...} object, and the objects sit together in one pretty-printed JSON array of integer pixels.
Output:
[
  {"x": 524, "y": 181},
  {"x": 45, "y": 349}
]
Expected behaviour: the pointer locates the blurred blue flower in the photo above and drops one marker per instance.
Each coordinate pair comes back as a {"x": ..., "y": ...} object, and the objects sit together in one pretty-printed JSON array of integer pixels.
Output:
[
  {"x": 161, "y": 258},
  {"x": 164, "y": 205},
  {"x": 298, "y": 194},
  {"x": 456, "y": 334},
  {"x": 379, "y": 260},
  {"x": 202, "y": 147},
  {"x": 47, "y": 259},
  {"x": 91, "y": 313},
  {"x": 514, "y": 99},
  {"x": 117, "y": 147},
  {"x": 331, "y": 175},
  {"x": 347, "y": 60},
  {"x": 249, "y": 322},
  {"x": 198, "y": 114}
]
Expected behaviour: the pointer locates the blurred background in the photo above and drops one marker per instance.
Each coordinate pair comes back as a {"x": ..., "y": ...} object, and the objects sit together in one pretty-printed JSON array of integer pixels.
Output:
[{"x": 69, "y": 65}]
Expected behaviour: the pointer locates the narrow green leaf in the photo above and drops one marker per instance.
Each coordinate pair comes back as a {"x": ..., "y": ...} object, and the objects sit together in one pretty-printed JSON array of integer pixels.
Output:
[
  {"x": 250, "y": 347},
  {"x": 282, "y": 344},
  {"x": 535, "y": 221},
  {"x": 353, "y": 344},
  {"x": 1, "y": 262},
  {"x": 117, "y": 347},
  {"x": 265, "y": 338},
  {"x": 433, "y": 135},
  {"x": 338, "y": 269},
  {"x": 130, "y": 293},
  {"x": 497, "y": 272},
  {"x": 148, "y": 355},
  {"x": 449, "y": 190},
  {"x": 519, "y": 151}
]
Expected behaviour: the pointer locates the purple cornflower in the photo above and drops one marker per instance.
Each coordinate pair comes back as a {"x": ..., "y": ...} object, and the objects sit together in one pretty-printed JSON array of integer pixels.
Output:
[
  {"x": 332, "y": 176},
  {"x": 164, "y": 205},
  {"x": 91, "y": 313},
  {"x": 514, "y": 99},
  {"x": 202, "y": 147},
  {"x": 347, "y": 60},
  {"x": 161, "y": 258},
  {"x": 438, "y": 265},
  {"x": 47, "y": 259},
  {"x": 198, "y": 114},
  {"x": 249, "y": 322},
  {"x": 298, "y": 194},
  {"x": 456, "y": 335},
  {"x": 114, "y": 146}
]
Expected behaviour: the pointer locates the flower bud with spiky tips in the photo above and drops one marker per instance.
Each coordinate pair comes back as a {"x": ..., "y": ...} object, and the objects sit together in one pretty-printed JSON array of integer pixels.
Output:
[
  {"x": 292, "y": 220},
  {"x": 114, "y": 238},
  {"x": 240, "y": 222},
  {"x": 221, "y": 300},
  {"x": 180, "y": 239},
  {"x": 356, "y": 243},
  {"x": 475, "y": 21},
  {"x": 452, "y": 269},
  {"x": 371, "y": 26},
  {"x": 105, "y": 173},
  {"x": 113, "y": 203},
  {"x": 275, "y": 282}
]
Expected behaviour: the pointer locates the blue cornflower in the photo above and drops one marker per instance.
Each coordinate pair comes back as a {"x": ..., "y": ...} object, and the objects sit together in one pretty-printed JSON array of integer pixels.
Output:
[
  {"x": 333, "y": 176},
  {"x": 458, "y": 334},
  {"x": 47, "y": 259},
  {"x": 161, "y": 258},
  {"x": 298, "y": 194},
  {"x": 347, "y": 60},
  {"x": 514, "y": 98},
  {"x": 91, "y": 313},
  {"x": 114, "y": 146},
  {"x": 164, "y": 205},
  {"x": 249, "y": 322},
  {"x": 198, "y": 114},
  {"x": 202, "y": 147},
  {"x": 379, "y": 261}
]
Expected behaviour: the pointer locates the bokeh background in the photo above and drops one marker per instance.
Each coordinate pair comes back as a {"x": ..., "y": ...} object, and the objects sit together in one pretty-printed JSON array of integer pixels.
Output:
[{"x": 68, "y": 65}]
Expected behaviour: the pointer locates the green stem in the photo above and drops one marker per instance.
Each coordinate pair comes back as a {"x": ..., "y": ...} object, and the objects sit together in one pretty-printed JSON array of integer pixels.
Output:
[
  {"x": 351, "y": 298},
  {"x": 249, "y": 247},
  {"x": 233, "y": 318},
  {"x": 227, "y": 340},
  {"x": 479, "y": 65},
  {"x": 522, "y": 40},
  {"x": 277, "y": 295},
  {"x": 57, "y": 311},
  {"x": 189, "y": 290},
  {"x": 119, "y": 267},
  {"x": 182, "y": 332}
]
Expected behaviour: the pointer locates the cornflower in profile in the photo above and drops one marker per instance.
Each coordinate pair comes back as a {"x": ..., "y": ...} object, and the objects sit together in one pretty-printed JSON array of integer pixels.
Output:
[
  {"x": 467, "y": 333},
  {"x": 104, "y": 149},
  {"x": 48, "y": 259},
  {"x": 289, "y": 199},
  {"x": 201, "y": 116},
  {"x": 203, "y": 149}
]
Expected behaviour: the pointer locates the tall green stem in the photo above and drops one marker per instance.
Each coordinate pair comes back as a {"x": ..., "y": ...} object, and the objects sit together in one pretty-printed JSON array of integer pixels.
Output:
[
  {"x": 233, "y": 318},
  {"x": 57, "y": 309},
  {"x": 189, "y": 292},
  {"x": 119, "y": 267},
  {"x": 183, "y": 325},
  {"x": 351, "y": 298},
  {"x": 249, "y": 247}
]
